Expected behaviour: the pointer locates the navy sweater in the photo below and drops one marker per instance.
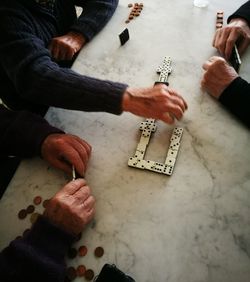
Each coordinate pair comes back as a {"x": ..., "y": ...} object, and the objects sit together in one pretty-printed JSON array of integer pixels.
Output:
[
  {"x": 39, "y": 255},
  {"x": 29, "y": 77},
  {"x": 236, "y": 97}
]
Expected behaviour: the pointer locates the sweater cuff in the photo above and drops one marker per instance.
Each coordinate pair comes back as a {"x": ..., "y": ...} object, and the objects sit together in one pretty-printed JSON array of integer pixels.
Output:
[
  {"x": 229, "y": 95},
  {"x": 49, "y": 239}
]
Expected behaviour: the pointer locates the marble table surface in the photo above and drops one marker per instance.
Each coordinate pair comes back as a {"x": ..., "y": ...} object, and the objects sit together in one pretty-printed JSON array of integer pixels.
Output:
[{"x": 193, "y": 226}]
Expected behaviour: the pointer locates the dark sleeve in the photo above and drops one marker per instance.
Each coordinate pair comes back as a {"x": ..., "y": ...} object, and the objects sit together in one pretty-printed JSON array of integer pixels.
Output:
[
  {"x": 22, "y": 133},
  {"x": 242, "y": 12},
  {"x": 37, "y": 256},
  {"x": 96, "y": 13},
  {"x": 236, "y": 98},
  {"x": 27, "y": 62}
]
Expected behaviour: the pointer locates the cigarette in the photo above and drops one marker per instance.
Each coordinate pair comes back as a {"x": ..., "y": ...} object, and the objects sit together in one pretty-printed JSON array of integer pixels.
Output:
[{"x": 73, "y": 173}]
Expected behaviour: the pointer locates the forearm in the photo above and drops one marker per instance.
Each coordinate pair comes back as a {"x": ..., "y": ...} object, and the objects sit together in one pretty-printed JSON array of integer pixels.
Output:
[
  {"x": 22, "y": 133},
  {"x": 236, "y": 98},
  {"x": 95, "y": 15},
  {"x": 38, "y": 256}
]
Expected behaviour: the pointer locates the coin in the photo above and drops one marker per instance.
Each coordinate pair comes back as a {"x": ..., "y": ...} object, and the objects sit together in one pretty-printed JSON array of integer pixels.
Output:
[
  {"x": 30, "y": 209},
  {"x": 37, "y": 200},
  {"x": 71, "y": 273},
  {"x": 45, "y": 203},
  {"x": 82, "y": 251},
  {"x": 99, "y": 251},
  {"x": 81, "y": 269},
  {"x": 22, "y": 214},
  {"x": 34, "y": 217},
  {"x": 89, "y": 274}
]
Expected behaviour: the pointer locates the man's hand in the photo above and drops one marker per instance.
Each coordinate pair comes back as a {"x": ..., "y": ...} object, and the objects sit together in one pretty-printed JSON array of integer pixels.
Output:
[
  {"x": 218, "y": 75},
  {"x": 72, "y": 207},
  {"x": 64, "y": 150},
  {"x": 158, "y": 102},
  {"x": 65, "y": 47},
  {"x": 225, "y": 38}
]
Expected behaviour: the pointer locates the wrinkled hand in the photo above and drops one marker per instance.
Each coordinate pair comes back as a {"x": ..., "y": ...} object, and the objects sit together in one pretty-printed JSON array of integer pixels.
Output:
[
  {"x": 64, "y": 150},
  {"x": 218, "y": 75},
  {"x": 225, "y": 38},
  {"x": 72, "y": 207},
  {"x": 158, "y": 102},
  {"x": 66, "y": 46}
]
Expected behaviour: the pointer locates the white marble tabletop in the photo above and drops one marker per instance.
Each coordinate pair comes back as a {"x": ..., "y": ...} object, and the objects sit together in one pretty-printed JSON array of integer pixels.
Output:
[{"x": 193, "y": 226}]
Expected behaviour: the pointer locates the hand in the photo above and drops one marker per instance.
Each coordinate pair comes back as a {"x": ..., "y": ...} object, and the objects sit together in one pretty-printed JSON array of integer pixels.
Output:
[
  {"x": 66, "y": 46},
  {"x": 158, "y": 102},
  {"x": 218, "y": 75},
  {"x": 64, "y": 150},
  {"x": 72, "y": 207},
  {"x": 225, "y": 38}
]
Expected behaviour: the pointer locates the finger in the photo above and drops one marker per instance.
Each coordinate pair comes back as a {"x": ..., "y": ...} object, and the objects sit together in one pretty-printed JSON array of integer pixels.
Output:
[
  {"x": 87, "y": 146},
  {"x": 182, "y": 103},
  {"x": 82, "y": 194},
  {"x": 178, "y": 100},
  {"x": 88, "y": 215},
  {"x": 88, "y": 204},
  {"x": 73, "y": 186},
  {"x": 79, "y": 157},
  {"x": 55, "y": 51},
  {"x": 167, "y": 117},
  {"x": 230, "y": 44},
  {"x": 206, "y": 65}
]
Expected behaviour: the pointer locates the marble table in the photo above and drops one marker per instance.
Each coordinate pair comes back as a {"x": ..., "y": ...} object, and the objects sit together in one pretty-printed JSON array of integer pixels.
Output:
[{"x": 193, "y": 226}]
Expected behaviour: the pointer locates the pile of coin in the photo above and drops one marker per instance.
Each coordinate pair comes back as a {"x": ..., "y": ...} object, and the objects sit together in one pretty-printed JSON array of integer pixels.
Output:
[
  {"x": 136, "y": 9},
  {"x": 219, "y": 19}
]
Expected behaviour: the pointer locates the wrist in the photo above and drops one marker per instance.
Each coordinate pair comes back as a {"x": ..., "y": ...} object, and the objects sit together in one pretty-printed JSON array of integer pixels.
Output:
[
  {"x": 239, "y": 22},
  {"x": 76, "y": 36}
]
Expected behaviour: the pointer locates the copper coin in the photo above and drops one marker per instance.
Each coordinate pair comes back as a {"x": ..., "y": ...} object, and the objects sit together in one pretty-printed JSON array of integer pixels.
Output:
[
  {"x": 72, "y": 252},
  {"x": 89, "y": 274},
  {"x": 131, "y": 17},
  {"x": 137, "y": 14},
  {"x": 37, "y": 200},
  {"x": 127, "y": 21},
  {"x": 45, "y": 203},
  {"x": 71, "y": 273},
  {"x": 82, "y": 251},
  {"x": 99, "y": 251},
  {"x": 130, "y": 5},
  {"x": 30, "y": 209},
  {"x": 22, "y": 214},
  {"x": 34, "y": 217},
  {"x": 81, "y": 269}
]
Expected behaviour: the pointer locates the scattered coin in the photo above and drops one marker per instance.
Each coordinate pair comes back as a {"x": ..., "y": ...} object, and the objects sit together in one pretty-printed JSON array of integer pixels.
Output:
[
  {"x": 81, "y": 269},
  {"x": 71, "y": 273},
  {"x": 34, "y": 217},
  {"x": 89, "y": 274},
  {"x": 99, "y": 251},
  {"x": 45, "y": 203},
  {"x": 130, "y": 5},
  {"x": 37, "y": 200},
  {"x": 30, "y": 209},
  {"x": 82, "y": 251},
  {"x": 22, "y": 214}
]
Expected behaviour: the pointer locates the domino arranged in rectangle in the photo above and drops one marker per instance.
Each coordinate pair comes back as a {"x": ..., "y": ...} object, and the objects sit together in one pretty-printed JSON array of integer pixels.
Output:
[{"x": 167, "y": 168}]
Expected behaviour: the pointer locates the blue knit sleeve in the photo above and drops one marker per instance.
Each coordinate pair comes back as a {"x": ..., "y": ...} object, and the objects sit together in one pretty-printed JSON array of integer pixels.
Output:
[{"x": 95, "y": 15}]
